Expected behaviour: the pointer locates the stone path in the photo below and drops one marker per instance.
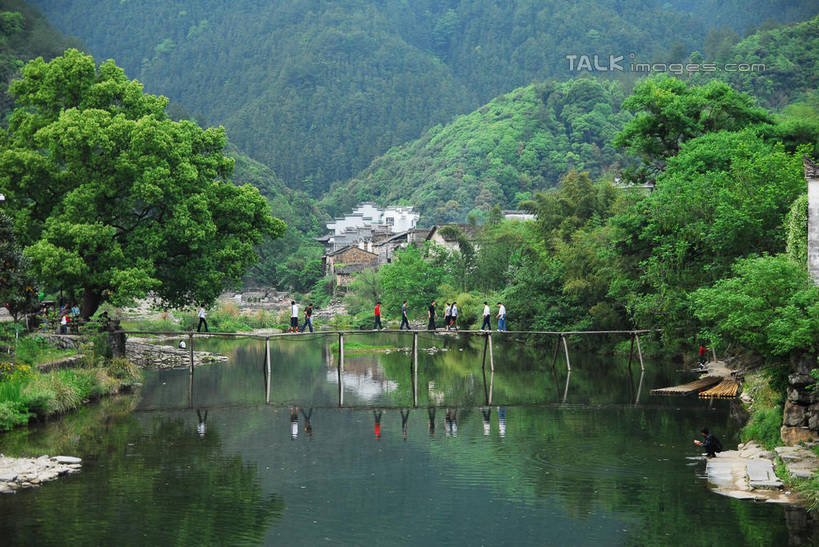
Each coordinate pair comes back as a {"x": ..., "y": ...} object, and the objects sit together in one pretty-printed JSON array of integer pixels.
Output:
[
  {"x": 16, "y": 473},
  {"x": 748, "y": 472}
]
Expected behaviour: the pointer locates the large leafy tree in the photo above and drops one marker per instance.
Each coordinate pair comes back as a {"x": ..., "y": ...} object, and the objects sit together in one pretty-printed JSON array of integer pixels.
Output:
[
  {"x": 113, "y": 199},
  {"x": 669, "y": 112},
  {"x": 17, "y": 288}
]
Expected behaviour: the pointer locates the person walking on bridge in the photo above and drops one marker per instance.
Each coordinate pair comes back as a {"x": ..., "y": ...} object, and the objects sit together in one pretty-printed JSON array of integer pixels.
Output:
[
  {"x": 431, "y": 316},
  {"x": 486, "y": 325},
  {"x": 202, "y": 319},
  {"x": 404, "y": 319},
  {"x": 308, "y": 322},
  {"x": 294, "y": 316},
  {"x": 501, "y": 317},
  {"x": 377, "y": 324},
  {"x": 453, "y": 316}
]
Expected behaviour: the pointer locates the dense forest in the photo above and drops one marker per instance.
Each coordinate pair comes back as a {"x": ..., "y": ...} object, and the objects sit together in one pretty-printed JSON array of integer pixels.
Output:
[
  {"x": 24, "y": 35},
  {"x": 317, "y": 89},
  {"x": 518, "y": 143}
]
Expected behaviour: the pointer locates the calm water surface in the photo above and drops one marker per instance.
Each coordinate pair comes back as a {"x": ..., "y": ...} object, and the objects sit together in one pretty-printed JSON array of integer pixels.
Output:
[{"x": 524, "y": 456}]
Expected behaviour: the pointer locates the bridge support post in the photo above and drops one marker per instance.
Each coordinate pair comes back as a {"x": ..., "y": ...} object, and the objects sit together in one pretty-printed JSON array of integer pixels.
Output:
[
  {"x": 630, "y": 353},
  {"x": 415, "y": 369},
  {"x": 566, "y": 349},
  {"x": 640, "y": 352},
  {"x": 340, "y": 369},
  {"x": 190, "y": 372},
  {"x": 491, "y": 355},
  {"x": 557, "y": 348},
  {"x": 267, "y": 370},
  {"x": 485, "y": 345}
]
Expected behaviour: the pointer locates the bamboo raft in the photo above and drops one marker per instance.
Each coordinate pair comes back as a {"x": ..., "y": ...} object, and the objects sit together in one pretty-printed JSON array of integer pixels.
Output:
[
  {"x": 727, "y": 389},
  {"x": 691, "y": 387}
]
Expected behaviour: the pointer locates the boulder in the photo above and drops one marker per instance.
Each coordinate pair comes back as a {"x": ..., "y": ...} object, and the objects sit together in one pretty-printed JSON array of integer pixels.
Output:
[
  {"x": 794, "y": 435},
  {"x": 794, "y": 414}
]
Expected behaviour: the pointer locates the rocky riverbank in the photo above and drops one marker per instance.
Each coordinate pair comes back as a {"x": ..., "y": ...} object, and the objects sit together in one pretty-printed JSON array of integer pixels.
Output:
[{"x": 17, "y": 473}]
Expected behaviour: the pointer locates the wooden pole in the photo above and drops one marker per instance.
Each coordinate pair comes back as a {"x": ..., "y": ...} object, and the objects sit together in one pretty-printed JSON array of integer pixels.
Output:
[
  {"x": 190, "y": 346},
  {"x": 415, "y": 369},
  {"x": 568, "y": 363},
  {"x": 639, "y": 388},
  {"x": 340, "y": 369},
  {"x": 267, "y": 370},
  {"x": 566, "y": 390},
  {"x": 631, "y": 353},
  {"x": 190, "y": 373},
  {"x": 640, "y": 352},
  {"x": 491, "y": 355},
  {"x": 557, "y": 348},
  {"x": 485, "y": 344},
  {"x": 491, "y": 386}
]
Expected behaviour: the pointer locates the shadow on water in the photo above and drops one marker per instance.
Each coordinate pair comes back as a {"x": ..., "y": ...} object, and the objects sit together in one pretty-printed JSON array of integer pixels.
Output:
[{"x": 527, "y": 453}]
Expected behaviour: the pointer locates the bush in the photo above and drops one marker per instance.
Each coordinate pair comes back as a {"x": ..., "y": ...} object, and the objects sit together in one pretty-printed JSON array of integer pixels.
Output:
[
  {"x": 124, "y": 370},
  {"x": 12, "y": 414},
  {"x": 763, "y": 427}
]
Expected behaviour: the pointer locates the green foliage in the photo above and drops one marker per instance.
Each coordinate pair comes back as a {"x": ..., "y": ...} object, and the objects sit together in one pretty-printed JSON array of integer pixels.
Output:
[
  {"x": 763, "y": 427},
  {"x": 25, "y": 395},
  {"x": 770, "y": 306},
  {"x": 123, "y": 370},
  {"x": 520, "y": 142},
  {"x": 788, "y": 55},
  {"x": 796, "y": 226},
  {"x": 18, "y": 291},
  {"x": 412, "y": 278},
  {"x": 33, "y": 350},
  {"x": 725, "y": 196},
  {"x": 114, "y": 199},
  {"x": 316, "y": 90},
  {"x": 668, "y": 112}
]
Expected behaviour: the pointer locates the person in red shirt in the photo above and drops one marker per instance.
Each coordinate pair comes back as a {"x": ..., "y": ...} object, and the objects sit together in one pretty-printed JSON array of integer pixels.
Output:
[
  {"x": 377, "y": 416},
  {"x": 703, "y": 354},
  {"x": 377, "y": 316}
]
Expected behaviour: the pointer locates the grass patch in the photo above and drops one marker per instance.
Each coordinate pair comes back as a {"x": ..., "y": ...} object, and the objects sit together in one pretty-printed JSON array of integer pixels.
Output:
[
  {"x": 358, "y": 347},
  {"x": 33, "y": 350},
  {"x": 766, "y": 412},
  {"x": 25, "y": 394}
]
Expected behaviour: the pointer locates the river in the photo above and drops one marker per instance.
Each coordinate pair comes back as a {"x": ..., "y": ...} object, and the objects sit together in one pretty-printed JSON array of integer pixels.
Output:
[{"x": 525, "y": 456}]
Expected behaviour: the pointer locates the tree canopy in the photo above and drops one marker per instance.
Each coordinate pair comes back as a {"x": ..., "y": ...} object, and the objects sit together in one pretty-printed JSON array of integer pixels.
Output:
[{"x": 112, "y": 199}]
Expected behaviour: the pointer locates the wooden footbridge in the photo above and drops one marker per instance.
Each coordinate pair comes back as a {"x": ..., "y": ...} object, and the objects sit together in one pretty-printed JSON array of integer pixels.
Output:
[{"x": 488, "y": 349}]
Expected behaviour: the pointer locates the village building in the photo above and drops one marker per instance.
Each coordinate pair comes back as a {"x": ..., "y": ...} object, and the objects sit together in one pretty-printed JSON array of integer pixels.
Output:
[
  {"x": 367, "y": 239},
  {"x": 443, "y": 238}
]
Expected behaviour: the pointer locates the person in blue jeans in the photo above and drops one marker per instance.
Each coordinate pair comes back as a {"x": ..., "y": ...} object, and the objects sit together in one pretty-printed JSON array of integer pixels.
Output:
[
  {"x": 308, "y": 314},
  {"x": 501, "y": 317}
]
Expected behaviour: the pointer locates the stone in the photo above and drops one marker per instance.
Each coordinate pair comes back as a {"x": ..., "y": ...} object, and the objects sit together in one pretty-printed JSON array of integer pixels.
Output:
[
  {"x": 66, "y": 459},
  {"x": 793, "y": 414},
  {"x": 797, "y": 379},
  {"x": 8, "y": 476},
  {"x": 761, "y": 474},
  {"x": 804, "y": 396},
  {"x": 794, "y": 435}
]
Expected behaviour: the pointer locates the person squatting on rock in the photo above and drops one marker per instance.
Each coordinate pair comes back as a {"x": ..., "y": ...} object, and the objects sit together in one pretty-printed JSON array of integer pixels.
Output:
[{"x": 711, "y": 444}]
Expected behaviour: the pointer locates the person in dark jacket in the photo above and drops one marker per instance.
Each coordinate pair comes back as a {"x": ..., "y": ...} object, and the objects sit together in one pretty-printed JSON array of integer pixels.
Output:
[{"x": 710, "y": 443}]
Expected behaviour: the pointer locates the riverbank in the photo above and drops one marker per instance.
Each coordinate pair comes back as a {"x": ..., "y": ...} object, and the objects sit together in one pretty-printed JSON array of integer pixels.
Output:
[{"x": 17, "y": 473}]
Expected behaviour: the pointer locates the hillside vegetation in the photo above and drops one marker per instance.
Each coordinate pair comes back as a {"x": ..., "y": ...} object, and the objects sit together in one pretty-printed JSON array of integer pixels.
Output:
[
  {"x": 316, "y": 89},
  {"x": 518, "y": 143}
]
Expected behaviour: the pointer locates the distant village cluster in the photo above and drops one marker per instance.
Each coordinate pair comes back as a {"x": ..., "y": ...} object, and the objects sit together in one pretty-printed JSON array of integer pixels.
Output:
[{"x": 369, "y": 236}]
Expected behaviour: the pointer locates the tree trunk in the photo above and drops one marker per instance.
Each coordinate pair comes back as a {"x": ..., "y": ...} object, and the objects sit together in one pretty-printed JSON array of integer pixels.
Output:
[{"x": 90, "y": 302}]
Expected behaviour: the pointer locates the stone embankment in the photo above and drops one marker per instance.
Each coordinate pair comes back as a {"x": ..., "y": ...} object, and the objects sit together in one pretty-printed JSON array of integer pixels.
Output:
[
  {"x": 17, "y": 473},
  {"x": 145, "y": 354},
  {"x": 748, "y": 472}
]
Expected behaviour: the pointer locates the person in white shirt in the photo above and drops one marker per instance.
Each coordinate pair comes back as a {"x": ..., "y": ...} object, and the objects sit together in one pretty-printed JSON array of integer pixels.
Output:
[
  {"x": 501, "y": 317},
  {"x": 294, "y": 316},
  {"x": 202, "y": 319},
  {"x": 453, "y": 316},
  {"x": 486, "y": 313}
]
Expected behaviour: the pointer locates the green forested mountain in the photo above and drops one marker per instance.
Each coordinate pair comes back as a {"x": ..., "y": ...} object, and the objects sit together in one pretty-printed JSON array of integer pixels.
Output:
[
  {"x": 316, "y": 89},
  {"x": 791, "y": 59},
  {"x": 519, "y": 142},
  {"x": 24, "y": 35}
]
